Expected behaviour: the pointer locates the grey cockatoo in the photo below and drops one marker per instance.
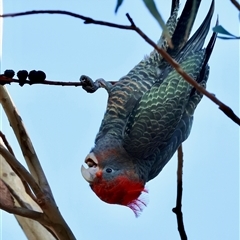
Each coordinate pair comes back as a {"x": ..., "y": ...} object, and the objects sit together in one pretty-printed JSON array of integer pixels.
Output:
[{"x": 149, "y": 112}]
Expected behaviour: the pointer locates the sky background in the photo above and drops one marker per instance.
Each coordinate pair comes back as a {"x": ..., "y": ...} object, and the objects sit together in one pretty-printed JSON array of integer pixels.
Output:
[{"x": 63, "y": 121}]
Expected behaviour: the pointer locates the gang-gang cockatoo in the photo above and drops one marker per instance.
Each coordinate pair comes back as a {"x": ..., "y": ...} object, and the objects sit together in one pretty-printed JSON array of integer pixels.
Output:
[{"x": 149, "y": 112}]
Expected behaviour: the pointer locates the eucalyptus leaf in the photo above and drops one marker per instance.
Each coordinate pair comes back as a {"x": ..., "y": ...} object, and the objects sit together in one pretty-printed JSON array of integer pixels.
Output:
[
  {"x": 221, "y": 30},
  {"x": 119, "y": 3},
  {"x": 229, "y": 38},
  {"x": 150, "y": 4}
]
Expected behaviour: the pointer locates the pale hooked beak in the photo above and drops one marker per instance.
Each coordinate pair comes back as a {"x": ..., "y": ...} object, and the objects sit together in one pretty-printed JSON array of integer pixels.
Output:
[{"x": 90, "y": 173}]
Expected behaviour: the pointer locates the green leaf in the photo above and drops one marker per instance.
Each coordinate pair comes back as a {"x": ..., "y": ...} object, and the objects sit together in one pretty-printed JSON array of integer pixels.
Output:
[
  {"x": 229, "y": 38},
  {"x": 119, "y": 3},
  {"x": 150, "y": 4},
  {"x": 222, "y": 30}
]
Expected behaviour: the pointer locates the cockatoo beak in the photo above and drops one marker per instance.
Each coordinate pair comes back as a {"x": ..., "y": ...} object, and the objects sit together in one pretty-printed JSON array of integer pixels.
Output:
[{"x": 89, "y": 174}]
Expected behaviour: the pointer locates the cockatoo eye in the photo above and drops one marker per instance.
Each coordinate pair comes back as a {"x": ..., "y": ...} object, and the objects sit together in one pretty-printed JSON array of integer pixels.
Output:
[{"x": 109, "y": 170}]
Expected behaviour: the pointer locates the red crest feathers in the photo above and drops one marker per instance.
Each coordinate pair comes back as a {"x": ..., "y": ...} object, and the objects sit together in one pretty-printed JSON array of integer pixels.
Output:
[{"x": 122, "y": 191}]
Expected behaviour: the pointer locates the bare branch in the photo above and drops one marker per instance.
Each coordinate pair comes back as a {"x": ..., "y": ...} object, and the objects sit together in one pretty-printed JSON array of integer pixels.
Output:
[
  {"x": 4, "y": 80},
  {"x": 24, "y": 141},
  {"x": 227, "y": 110},
  {"x": 32, "y": 228},
  {"x": 180, "y": 164},
  {"x": 53, "y": 219},
  {"x": 5, "y": 141},
  {"x": 236, "y": 4},
  {"x": 7, "y": 203},
  {"x": 87, "y": 20},
  {"x": 25, "y": 184},
  {"x": 24, "y": 212},
  {"x": 12, "y": 161},
  {"x": 178, "y": 209}
]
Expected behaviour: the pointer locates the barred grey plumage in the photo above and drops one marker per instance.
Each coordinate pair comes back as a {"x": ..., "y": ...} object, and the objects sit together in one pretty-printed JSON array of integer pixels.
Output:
[{"x": 149, "y": 112}]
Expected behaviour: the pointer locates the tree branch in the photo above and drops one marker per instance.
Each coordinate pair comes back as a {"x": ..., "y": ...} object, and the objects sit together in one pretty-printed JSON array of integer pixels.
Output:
[
  {"x": 27, "y": 213},
  {"x": 227, "y": 110},
  {"x": 17, "y": 197},
  {"x": 5, "y": 141},
  {"x": 31, "y": 228},
  {"x": 25, "y": 184},
  {"x": 24, "y": 141},
  {"x": 53, "y": 219},
  {"x": 7, "y": 202},
  {"x": 236, "y": 4},
  {"x": 87, "y": 20},
  {"x": 24, "y": 212},
  {"x": 22, "y": 172},
  {"x": 178, "y": 209},
  {"x": 5, "y": 80}
]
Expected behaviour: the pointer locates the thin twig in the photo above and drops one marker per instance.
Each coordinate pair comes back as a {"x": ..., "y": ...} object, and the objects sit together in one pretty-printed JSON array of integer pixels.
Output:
[
  {"x": 6, "y": 143},
  {"x": 25, "y": 184},
  {"x": 236, "y": 4},
  {"x": 180, "y": 164},
  {"x": 227, "y": 110},
  {"x": 87, "y": 20},
  {"x": 33, "y": 214},
  {"x": 24, "y": 212},
  {"x": 5, "y": 80},
  {"x": 178, "y": 209},
  {"x": 12, "y": 161}
]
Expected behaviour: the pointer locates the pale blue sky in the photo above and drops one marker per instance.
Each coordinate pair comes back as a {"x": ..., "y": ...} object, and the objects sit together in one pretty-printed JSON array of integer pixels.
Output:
[{"x": 63, "y": 121}]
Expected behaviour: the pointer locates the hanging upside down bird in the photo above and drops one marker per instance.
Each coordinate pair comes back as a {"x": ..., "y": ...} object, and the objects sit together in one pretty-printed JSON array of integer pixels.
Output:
[{"x": 149, "y": 112}]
